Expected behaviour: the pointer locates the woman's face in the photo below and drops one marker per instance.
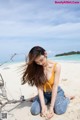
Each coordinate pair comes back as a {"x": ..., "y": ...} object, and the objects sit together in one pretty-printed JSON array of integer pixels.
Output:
[{"x": 41, "y": 60}]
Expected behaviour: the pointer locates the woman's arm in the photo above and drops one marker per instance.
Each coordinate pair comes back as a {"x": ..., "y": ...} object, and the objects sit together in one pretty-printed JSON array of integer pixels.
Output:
[
  {"x": 54, "y": 90},
  {"x": 55, "y": 86},
  {"x": 41, "y": 96},
  {"x": 42, "y": 101}
]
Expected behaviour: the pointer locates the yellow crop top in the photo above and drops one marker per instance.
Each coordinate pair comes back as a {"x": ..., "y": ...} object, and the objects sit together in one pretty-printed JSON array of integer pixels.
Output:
[{"x": 49, "y": 84}]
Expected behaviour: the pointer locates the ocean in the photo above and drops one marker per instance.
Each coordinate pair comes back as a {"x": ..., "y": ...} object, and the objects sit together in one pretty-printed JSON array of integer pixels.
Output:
[
  {"x": 21, "y": 46},
  {"x": 68, "y": 58}
]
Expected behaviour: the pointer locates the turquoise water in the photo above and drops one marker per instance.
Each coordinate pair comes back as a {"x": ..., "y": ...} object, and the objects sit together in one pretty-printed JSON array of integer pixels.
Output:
[
  {"x": 69, "y": 58},
  {"x": 22, "y": 45}
]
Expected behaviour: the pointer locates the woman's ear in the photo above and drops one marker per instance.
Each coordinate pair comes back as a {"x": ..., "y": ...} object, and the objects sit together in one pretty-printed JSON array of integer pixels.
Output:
[{"x": 45, "y": 54}]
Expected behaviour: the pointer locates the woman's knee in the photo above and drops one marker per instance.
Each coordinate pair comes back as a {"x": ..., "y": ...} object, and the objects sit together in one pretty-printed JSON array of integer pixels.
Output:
[
  {"x": 34, "y": 111},
  {"x": 35, "y": 108},
  {"x": 61, "y": 106},
  {"x": 59, "y": 110}
]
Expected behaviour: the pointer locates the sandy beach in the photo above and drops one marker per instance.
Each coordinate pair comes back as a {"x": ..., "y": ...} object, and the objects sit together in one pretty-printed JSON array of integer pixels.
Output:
[{"x": 69, "y": 81}]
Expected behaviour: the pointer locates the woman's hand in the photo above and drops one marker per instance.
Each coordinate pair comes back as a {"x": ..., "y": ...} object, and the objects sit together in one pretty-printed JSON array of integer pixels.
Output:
[
  {"x": 51, "y": 109},
  {"x": 50, "y": 113},
  {"x": 44, "y": 111}
]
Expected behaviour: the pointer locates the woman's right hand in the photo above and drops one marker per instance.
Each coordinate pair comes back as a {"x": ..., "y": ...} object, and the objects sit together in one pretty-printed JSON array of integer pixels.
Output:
[{"x": 44, "y": 111}]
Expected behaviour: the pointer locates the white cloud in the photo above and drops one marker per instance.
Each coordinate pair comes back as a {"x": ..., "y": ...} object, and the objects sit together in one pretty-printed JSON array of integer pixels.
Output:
[{"x": 38, "y": 18}]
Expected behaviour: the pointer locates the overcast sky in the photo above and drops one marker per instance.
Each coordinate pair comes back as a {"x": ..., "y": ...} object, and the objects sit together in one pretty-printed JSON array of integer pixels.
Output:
[
  {"x": 39, "y": 18},
  {"x": 24, "y": 23}
]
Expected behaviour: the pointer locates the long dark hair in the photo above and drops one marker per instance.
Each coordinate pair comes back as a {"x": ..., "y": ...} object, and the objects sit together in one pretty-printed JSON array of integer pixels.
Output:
[{"x": 34, "y": 73}]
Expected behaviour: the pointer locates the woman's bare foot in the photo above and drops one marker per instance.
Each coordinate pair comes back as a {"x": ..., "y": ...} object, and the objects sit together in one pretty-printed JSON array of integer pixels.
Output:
[{"x": 70, "y": 97}]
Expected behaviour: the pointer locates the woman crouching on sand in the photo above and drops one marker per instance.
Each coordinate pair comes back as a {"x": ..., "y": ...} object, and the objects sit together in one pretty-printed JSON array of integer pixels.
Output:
[{"x": 45, "y": 74}]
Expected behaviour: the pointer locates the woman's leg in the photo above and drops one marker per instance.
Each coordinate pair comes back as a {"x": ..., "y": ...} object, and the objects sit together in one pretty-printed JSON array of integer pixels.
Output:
[
  {"x": 36, "y": 106},
  {"x": 61, "y": 102}
]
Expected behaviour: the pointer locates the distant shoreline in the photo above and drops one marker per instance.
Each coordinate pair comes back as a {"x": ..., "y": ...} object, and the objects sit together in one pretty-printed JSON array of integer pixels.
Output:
[{"x": 68, "y": 53}]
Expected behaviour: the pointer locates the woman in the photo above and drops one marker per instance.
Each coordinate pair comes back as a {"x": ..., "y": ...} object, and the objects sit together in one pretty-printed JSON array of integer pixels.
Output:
[{"x": 45, "y": 74}]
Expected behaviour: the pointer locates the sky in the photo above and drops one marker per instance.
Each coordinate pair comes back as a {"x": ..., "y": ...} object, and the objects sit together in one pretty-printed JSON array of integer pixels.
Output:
[{"x": 25, "y": 23}]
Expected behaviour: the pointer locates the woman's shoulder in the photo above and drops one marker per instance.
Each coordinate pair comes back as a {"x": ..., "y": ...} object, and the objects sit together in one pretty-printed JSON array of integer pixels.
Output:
[
  {"x": 55, "y": 64},
  {"x": 52, "y": 62}
]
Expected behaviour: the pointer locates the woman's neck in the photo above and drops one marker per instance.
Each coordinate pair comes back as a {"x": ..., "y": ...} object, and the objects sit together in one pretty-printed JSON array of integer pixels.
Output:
[{"x": 46, "y": 64}]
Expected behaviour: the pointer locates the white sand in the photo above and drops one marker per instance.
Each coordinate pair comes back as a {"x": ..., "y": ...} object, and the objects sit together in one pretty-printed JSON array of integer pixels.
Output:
[{"x": 69, "y": 80}]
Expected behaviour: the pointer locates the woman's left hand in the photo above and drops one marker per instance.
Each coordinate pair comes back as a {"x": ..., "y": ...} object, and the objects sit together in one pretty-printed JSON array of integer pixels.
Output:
[{"x": 51, "y": 113}]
